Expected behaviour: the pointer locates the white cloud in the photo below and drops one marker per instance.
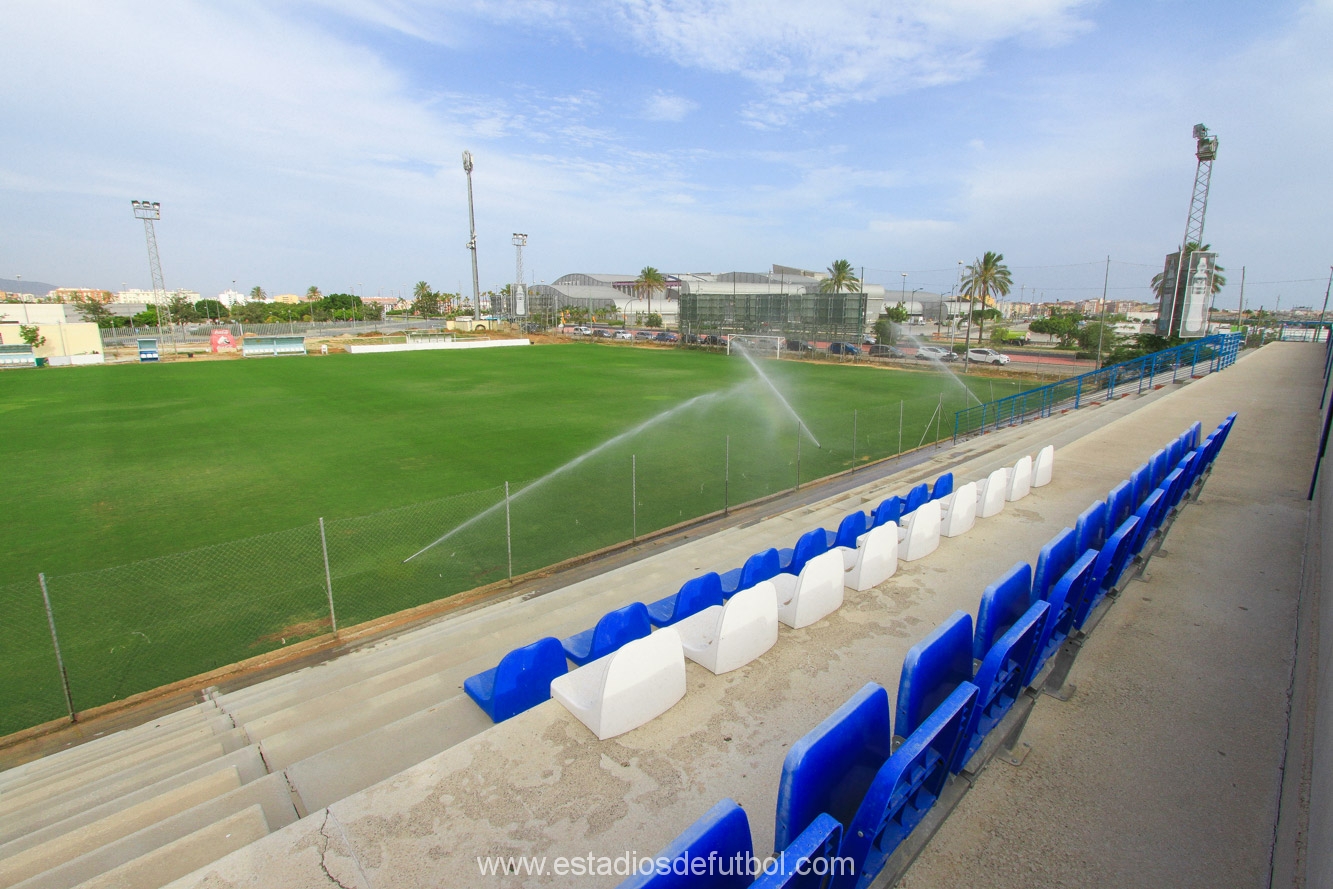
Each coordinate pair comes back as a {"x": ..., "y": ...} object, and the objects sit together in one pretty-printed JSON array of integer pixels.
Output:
[{"x": 666, "y": 107}]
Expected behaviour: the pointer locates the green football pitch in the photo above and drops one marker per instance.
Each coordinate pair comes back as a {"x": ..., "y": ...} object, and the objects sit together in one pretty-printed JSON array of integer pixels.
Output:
[{"x": 205, "y": 481}]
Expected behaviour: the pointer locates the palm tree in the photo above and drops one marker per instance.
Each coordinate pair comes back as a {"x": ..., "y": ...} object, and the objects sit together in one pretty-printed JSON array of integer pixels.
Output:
[
  {"x": 313, "y": 293},
  {"x": 840, "y": 277},
  {"x": 421, "y": 290},
  {"x": 257, "y": 294},
  {"x": 986, "y": 278},
  {"x": 650, "y": 281}
]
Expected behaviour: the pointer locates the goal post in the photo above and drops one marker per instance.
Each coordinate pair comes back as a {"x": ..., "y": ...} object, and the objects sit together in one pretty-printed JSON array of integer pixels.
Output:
[{"x": 757, "y": 344}]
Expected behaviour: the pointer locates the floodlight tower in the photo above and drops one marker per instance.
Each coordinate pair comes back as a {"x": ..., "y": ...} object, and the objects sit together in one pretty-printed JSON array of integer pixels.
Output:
[
  {"x": 518, "y": 297},
  {"x": 472, "y": 229},
  {"x": 1206, "y": 152},
  {"x": 149, "y": 212}
]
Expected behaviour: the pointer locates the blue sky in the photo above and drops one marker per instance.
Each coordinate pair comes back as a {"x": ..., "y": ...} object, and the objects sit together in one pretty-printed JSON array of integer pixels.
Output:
[{"x": 319, "y": 142}]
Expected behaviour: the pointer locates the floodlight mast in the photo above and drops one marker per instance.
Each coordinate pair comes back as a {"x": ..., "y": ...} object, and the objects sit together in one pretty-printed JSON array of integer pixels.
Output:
[
  {"x": 472, "y": 230},
  {"x": 149, "y": 211},
  {"x": 517, "y": 297},
  {"x": 1206, "y": 152}
]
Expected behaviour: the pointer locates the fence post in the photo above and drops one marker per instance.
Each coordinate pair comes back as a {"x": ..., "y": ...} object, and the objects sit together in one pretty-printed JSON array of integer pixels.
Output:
[
  {"x": 798, "y": 456},
  {"x": 634, "y": 496},
  {"x": 726, "y": 478},
  {"x": 328, "y": 575},
  {"x": 509, "y": 537},
  {"x": 853, "y": 439},
  {"x": 55, "y": 643},
  {"x": 939, "y": 413},
  {"x": 900, "y": 428},
  {"x": 1078, "y": 393}
]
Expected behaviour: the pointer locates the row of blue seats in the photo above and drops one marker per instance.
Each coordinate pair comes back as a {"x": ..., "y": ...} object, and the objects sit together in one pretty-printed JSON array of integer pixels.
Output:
[
  {"x": 852, "y": 790},
  {"x": 523, "y": 677}
]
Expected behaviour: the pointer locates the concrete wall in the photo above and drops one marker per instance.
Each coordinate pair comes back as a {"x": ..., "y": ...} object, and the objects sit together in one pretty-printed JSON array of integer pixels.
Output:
[
  {"x": 423, "y": 347},
  {"x": 79, "y": 343}
]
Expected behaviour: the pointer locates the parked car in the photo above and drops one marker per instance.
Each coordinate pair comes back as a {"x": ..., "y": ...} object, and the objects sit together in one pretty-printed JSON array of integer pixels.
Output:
[
  {"x": 843, "y": 349},
  {"x": 643, "y": 334},
  {"x": 624, "y": 335},
  {"x": 582, "y": 331},
  {"x": 987, "y": 356},
  {"x": 602, "y": 332},
  {"x": 935, "y": 353},
  {"x": 666, "y": 337},
  {"x": 882, "y": 351}
]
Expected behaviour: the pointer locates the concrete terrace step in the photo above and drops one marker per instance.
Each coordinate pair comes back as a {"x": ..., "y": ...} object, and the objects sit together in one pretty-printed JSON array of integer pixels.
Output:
[
  {"x": 375, "y": 756},
  {"x": 193, "y": 749},
  {"x": 56, "y": 820},
  {"x": 189, "y": 853},
  {"x": 20, "y": 863},
  {"x": 268, "y": 795}
]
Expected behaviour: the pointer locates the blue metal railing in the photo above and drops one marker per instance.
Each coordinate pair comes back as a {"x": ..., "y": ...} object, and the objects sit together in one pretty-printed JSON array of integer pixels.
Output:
[{"x": 1212, "y": 353}]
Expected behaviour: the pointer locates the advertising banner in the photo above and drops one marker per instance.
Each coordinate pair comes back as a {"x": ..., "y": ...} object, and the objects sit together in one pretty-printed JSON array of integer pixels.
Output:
[
  {"x": 1166, "y": 312},
  {"x": 1196, "y": 292}
]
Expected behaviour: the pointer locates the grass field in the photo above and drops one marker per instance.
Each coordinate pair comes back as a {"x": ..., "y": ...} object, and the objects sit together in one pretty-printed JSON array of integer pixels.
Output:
[{"x": 177, "y": 467}]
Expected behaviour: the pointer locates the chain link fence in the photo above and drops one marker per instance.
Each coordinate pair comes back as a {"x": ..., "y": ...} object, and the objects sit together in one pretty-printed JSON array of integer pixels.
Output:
[{"x": 139, "y": 626}]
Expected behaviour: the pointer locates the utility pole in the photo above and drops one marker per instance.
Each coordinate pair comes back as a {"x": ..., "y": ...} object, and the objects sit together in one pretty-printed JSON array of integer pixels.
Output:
[
  {"x": 519, "y": 297},
  {"x": 472, "y": 241},
  {"x": 1326, "y": 291},
  {"x": 971, "y": 316},
  {"x": 1101, "y": 326},
  {"x": 149, "y": 211}
]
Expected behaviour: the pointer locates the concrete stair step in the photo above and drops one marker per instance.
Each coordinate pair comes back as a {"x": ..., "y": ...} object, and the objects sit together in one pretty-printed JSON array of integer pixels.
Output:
[
  {"x": 22, "y": 818},
  {"x": 20, "y": 864},
  {"x": 338, "y": 772},
  {"x": 187, "y": 854},
  {"x": 269, "y": 795},
  {"x": 209, "y": 745}
]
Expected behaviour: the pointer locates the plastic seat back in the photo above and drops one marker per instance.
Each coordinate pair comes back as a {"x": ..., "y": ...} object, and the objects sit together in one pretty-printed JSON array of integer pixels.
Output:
[
  {"x": 915, "y": 497},
  {"x": 1001, "y": 678},
  {"x": 1090, "y": 529},
  {"x": 905, "y": 789},
  {"x": 1118, "y": 505},
  {"x": 613, "y": 630},
  {"x": 694, "y": 596},
  {"x": 932, "y": 669},
  {"x": 811, "y": 544},
  {"x": 722, "y": 834},
  {"x": 852, "y": 526},
  {"x": 1141, "y": 481},
  {"x": 829, "y": 769},
  {"x": 1002, "y": 603},
  {"x": 520, "y": 681},
  {"x": 1066, "y": 603},
  {"x": 943, "y": 486},
  {"x": 1053, "y": 561},
  {"x": 807, "y": 862},
  {"x": 889, "y": 510}
]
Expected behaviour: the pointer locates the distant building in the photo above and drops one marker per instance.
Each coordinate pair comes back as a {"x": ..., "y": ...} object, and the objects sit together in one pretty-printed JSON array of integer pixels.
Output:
[
  {"x": 147, "y": 297},
  {"x": 288, "y": 298},
  {"x": 70, "y": 294},
  {"x": 231, "y": 298}
]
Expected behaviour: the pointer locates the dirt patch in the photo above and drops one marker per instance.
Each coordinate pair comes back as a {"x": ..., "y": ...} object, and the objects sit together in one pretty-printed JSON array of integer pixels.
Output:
[{"x": 299, "y": 630}]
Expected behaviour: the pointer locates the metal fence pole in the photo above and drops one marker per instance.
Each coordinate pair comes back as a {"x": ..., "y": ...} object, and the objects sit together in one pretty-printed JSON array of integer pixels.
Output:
[
  {"x": 798, "y": 456},
  {"x": 900, "y": 427},
  {"x": 726, "y": 480},
  {"x": 55, "y": 643},
  {"x": 853, "y": 440},
  {"x": 328, "y": 575},
  {"x": 509, "y": 536},
  {"x": 634, "y": 496}
]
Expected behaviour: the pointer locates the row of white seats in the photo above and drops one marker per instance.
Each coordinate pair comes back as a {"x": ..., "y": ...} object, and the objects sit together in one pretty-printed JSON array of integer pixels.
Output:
[{"x": 646, "y": 677}]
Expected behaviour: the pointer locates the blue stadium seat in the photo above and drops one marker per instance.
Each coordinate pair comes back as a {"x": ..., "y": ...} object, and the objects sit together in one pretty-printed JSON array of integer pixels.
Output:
[
  {"x": 722, "y": 834},
  {"x": 943, "y": 486},
  {"x": 1066, "y": 602},
  {"x": 830, "y": 768},
  {"x": 1118, "y": 505},
  {"x": 889, "y": 510},
  {"x": 1175, "y": 486},
  {"x": 1150, "y": 514},
  {"x": 1141, "y": 481},
  {"x": 1193, "y": 434},
  {"x": 1001, "y": 678},
  {"x": 1002, "y": 603},
  {"x": 915, "y": 497},
  {"x": 694, "y": 596},
  {"x": 808, "y": 861},
  {"x": 1158, "y": 467},
  {"x": 853, "y": 525},
  {"x": 613, "y": 630},
  {"x": 1053, "y": 561},
  {"x": 932, "y": 669},
  {"x": 1111, "y": 562},
  {"x": 520, "y": 681},
  {"x": 1090, "y": 529},
  {"x": 811, "y": 544},
  {"x": 759, "y": 567},
  {"x": 905, "y": 789}
]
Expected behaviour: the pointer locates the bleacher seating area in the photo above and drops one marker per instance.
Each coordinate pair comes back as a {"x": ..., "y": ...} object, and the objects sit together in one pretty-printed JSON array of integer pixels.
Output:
[
  {"x": 854, "y": 794},
  {"x": 146, "y": 805}
]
